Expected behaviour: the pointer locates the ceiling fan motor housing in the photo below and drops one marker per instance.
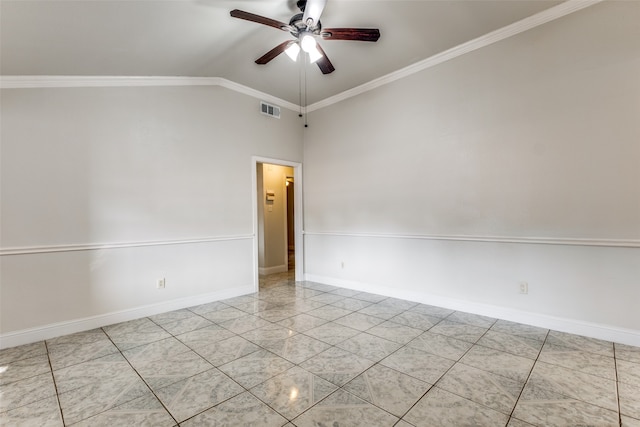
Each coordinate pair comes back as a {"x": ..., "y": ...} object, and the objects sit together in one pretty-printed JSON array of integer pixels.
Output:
[{"x": 297, "y": 25}]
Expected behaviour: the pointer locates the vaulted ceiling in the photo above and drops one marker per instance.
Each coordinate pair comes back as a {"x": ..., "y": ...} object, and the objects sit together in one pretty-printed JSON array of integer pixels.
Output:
[{"x": 199, "y": 38}]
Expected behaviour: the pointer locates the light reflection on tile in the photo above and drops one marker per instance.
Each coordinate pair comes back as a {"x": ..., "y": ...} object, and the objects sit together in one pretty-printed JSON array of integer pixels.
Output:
[{"x": 293, "y": 392}]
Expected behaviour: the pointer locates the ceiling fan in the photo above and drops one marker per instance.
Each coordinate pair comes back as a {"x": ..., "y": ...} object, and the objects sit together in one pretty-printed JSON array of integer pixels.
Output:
[{"x": 305, "y": 27}]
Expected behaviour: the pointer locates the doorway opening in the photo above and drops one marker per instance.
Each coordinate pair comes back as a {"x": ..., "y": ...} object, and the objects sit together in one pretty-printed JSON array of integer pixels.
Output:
[{"x": 278, "y": 221}]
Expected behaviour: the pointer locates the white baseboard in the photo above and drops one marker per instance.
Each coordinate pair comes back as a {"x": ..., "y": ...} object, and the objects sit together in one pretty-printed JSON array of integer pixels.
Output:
[
  {"x": 578, "y": 327},
  {"x": 271, "y": 270},
  {"x": 27, "y": 336}
]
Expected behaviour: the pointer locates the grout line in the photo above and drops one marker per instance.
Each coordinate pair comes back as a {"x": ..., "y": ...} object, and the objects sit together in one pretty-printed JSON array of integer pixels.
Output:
[
  {"x": 55, "y": 383},
  {"x": 615, "y": 365}
]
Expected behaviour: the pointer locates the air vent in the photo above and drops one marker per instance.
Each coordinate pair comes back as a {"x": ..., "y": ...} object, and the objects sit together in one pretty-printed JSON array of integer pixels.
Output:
[{"x": 270, "y": 110}]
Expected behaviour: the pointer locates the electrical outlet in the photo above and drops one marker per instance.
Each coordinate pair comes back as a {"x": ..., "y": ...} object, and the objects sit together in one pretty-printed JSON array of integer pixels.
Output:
[
  {"x": 161, "y": 283},
  {"x": 524, "y": 288}
]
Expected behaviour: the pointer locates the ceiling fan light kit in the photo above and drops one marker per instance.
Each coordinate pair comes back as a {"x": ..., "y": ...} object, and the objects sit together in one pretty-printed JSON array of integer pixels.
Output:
[{"x": 305, "y": 27}]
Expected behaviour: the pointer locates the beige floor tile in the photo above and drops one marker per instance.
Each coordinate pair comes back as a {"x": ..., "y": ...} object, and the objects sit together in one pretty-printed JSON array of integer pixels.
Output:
[
  {"x": 441, "y": 408},
  {"x": 343, "y": 408}
]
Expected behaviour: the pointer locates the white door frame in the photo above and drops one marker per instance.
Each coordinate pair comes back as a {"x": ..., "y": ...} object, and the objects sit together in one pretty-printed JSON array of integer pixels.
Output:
[{"x": 297, "y": 214}]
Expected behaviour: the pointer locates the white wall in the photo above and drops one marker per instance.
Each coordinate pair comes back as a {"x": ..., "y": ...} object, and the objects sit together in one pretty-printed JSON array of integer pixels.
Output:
[
  {"x": 156, "y": 181},
  {"x": 441, "y": 186}
]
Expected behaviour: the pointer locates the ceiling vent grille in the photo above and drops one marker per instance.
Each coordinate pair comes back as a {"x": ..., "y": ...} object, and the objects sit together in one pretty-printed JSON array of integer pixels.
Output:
[{"x": 269, "y": 110}]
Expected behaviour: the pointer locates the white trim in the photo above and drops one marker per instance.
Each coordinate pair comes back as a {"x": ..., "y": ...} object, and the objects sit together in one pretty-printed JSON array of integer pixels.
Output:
[
  {"x": 548, "y": 15},
  {"x": 589, "y": 329},
  {"x": 98, "y": 246},
  {"x": 271, "y": 270},
  {"x": 500, "y": 34},
  {"x": 618, "y": 243},
  {"x": 53, "y": 330},
  {"x": 33, "y": 82}
]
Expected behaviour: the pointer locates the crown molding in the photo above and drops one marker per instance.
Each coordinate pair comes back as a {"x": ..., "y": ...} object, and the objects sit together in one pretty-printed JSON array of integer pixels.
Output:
[
  {"x": 503, "y": 33},
  {"x": 36, "y": 82},
  {"x": 548, "y": 15}
]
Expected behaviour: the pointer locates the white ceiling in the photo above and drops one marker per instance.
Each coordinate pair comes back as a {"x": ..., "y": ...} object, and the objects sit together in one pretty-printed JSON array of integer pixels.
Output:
[{"x": 198, "y": 38}]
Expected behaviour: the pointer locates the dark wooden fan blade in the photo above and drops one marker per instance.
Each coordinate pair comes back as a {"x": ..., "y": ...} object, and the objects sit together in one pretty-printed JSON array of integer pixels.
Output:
[
  {"x": 323, "y": 63},
  {"x": 273, "y": 52},
  {"x": 359, "y": 34},
  {"x": 259, "y": 19}
]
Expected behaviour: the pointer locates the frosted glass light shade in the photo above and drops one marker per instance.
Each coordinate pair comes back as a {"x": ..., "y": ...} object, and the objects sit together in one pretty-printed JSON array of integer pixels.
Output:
[
  {"x": 314, "y": 55},
  {"x": 292, "y": 51}
]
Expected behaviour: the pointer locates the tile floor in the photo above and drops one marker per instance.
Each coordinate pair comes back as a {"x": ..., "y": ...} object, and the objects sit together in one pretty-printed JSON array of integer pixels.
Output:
[{"x": 306, "y": 354}]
